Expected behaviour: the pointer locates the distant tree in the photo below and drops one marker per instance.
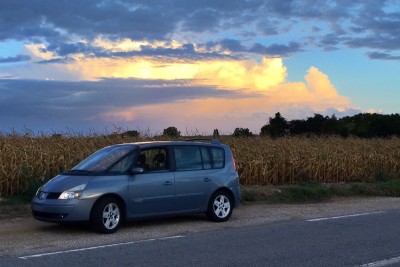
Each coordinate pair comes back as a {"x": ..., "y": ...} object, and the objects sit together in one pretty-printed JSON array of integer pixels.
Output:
[
  {"x": 131, "y": 133},
  {"x": 363, "y": 125},
  {"x": 314, "y": 124},
  {"x": 216, "y": 134},
  {"x": 56, "y": 135},
  {"x": 344, "y": 129},
  {"x": 277, "y": 127},
  {"x": 382, "y": 125},
  {"x": 171, "y": 132},
  {"x": 330, "y": 126},
  {"x": 297, "y": 127},
  {"x": 395, "y": 124},
  {"x": 242, "y": 132}
]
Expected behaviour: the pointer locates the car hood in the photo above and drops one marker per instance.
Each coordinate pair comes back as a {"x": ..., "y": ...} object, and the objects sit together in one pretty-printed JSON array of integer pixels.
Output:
[{"x": 62, "y": 182}]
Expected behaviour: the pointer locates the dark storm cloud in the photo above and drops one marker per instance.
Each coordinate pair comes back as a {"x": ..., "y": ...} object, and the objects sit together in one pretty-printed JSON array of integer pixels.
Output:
[
  {"x": 330, "y": 40},
  {"x": 34, "y": 100},
  {"x": 271, "y": 51},
  {"x": 276, "y": 50},
  {"x": 63, "y": 24},
  {"x": 56, "y": 60},
  {"x": 19, "y": 58},
  {"x": 226, "y": 44},
  {"x": 21, "y": 19},
  {"x": 203, "y": 19},
  {"x": 269, "y": 27},
  {"x": 64, "y": 49},
  {"x": 354, "y": 24},
  {"x": 185, "y": 51},
  {"x": 383, "y": 56}
]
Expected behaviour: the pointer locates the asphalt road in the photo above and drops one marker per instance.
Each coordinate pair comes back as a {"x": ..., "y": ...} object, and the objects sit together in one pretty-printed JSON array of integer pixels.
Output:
[{"x": 345, "y": 232}]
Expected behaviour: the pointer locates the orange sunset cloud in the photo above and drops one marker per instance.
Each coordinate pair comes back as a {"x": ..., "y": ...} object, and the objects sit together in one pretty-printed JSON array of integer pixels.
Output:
[
  {"x": 317, "y": 93},
  {"x": 261, "y": 83}
]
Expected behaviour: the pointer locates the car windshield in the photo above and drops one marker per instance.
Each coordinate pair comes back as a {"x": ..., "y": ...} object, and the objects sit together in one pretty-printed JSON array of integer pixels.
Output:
[{"x": 102, "y": 159}]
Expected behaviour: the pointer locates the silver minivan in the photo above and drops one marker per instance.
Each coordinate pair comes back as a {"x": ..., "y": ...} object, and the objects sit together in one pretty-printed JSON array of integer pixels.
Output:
[{"x": 142, "y": 180}]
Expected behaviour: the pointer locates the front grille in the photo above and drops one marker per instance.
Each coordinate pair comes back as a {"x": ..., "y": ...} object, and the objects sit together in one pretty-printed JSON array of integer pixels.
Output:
[
  {"x": 53, "y": 195},
  {"x": 45, "y": 195}
]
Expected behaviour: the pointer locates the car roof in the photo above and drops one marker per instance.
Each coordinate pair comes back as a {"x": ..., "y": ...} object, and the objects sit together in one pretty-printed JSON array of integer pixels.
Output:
[
  {"x": 185, "y": 142},
  {"x": 189, "y": 142}
]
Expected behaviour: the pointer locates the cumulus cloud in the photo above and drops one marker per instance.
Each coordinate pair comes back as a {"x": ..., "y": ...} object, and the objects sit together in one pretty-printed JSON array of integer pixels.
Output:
[
  {"x": 215, "y": 94},
  {"x": 316, "y": 95},
  {"x": 223, "y": 72}
]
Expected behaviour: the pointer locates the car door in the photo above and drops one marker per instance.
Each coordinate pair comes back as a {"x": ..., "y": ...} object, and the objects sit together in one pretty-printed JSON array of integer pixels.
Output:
[
  {"x": 193, "y": 177},
  {"x": 152, "y": 192}
]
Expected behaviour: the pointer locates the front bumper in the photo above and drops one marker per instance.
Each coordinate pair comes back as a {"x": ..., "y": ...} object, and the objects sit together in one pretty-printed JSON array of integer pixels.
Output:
[{"x": 60, "y": 210}]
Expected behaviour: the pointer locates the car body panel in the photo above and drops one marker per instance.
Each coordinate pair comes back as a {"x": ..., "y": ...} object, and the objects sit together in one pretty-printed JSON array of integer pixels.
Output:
[
  {"x": 192, "y": 189},
  {"x": 151, "y": 193}
]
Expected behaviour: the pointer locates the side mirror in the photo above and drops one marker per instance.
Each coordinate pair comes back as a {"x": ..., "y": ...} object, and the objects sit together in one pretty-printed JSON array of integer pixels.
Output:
[{"x": 136, "y": 170}]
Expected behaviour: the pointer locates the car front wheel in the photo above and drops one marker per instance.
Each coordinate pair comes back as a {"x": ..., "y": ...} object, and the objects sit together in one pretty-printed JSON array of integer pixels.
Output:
[
  {"x": 219, "y": 207},
  {"x": 106, "y": 215}
]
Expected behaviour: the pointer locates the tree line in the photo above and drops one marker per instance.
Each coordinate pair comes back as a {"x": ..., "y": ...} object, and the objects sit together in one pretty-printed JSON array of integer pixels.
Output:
[{"x": 365, "y": 125}]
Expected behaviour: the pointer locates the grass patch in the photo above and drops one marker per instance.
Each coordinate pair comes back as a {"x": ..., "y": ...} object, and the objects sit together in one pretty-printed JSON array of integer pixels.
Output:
[
  {"x": 309, "y": 192},
  {"x": 15, "y": 200},
  {"x": 306, "y": 192},
  {"x": 315, "y": 192},
  {"x": 390, "y": 188}
]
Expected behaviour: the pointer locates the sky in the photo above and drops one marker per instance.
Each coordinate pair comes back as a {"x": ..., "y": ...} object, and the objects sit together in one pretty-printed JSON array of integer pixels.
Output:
[{"x": 90, "y": 66}]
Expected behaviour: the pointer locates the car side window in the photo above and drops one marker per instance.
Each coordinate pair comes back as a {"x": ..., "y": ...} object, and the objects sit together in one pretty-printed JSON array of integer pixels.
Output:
[
  {"x": 153, "y": 159},
  {"x": 188, "y": 158},
  {"x": 206, "y": 158},
  {"x": 218, "y": 157}
]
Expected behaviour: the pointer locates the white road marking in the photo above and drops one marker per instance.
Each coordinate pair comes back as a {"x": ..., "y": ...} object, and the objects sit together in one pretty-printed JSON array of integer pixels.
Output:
[
  {"x": 344, "y": 216},
  {"x": 100, "y": 247},
  {"x": 382, "y": 263}
]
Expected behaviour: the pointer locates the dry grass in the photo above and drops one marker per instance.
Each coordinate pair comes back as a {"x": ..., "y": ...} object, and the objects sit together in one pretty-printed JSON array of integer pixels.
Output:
[{"x": 261, "y": 161}]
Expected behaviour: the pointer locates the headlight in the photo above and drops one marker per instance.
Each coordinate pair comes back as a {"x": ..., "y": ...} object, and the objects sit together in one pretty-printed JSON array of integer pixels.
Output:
[{"x": 74, "y": 192}]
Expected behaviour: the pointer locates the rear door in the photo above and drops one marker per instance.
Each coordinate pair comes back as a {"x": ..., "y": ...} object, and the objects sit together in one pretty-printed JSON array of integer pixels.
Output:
[{"x": 193, "y": 177}]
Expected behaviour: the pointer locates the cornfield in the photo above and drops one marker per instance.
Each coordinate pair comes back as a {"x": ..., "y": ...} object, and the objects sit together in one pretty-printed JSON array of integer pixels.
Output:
[
  {"x": 263, "y": 161},
  {"x": 27, "y": 160}
]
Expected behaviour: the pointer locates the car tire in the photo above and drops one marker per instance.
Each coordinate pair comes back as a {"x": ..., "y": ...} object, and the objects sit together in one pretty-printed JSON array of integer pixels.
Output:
[
  {"x": 106, "y": 215},
  {"x": 220, "y": 207}
]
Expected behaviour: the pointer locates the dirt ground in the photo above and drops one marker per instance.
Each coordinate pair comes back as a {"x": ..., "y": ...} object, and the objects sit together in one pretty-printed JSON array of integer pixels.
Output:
[{"x": 15, "y": 211}]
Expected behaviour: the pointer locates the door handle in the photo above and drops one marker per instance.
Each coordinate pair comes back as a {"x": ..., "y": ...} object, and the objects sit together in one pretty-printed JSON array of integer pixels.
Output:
[
  {"x": 167, "y": 183},
  {"x": 206, "y": 179}
]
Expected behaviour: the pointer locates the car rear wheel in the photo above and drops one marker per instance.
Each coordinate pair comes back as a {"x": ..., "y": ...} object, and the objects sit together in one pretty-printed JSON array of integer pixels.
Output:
[
  {"x": 220, "y": 207},
  {"x": 106, "y": 215}
]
